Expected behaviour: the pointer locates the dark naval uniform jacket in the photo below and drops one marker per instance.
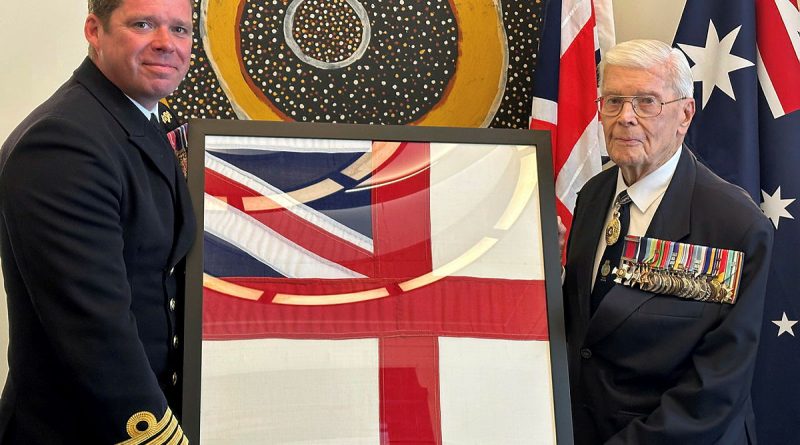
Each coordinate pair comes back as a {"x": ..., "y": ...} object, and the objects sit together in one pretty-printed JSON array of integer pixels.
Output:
[
  {"x": 656, "y": 369},
  {"x": 95, "y": 219}
]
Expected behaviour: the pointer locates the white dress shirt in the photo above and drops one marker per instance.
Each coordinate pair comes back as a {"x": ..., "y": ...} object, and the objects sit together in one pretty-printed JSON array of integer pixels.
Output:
[
  {"x": 145, "y": 111},
  {"x": 646, "y": 195}
]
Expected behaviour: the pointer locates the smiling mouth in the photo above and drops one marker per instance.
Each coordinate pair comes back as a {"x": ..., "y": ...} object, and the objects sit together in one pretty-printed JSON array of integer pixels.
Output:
[{"x": 160, "y": 66}]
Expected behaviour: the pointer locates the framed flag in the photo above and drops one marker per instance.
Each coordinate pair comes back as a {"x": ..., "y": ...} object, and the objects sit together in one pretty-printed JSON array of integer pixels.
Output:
[{"x": 355, "y": 284}]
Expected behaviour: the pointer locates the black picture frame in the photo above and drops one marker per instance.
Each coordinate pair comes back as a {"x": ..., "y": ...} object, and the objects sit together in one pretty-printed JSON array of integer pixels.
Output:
[{"x": 199, "y": 129}]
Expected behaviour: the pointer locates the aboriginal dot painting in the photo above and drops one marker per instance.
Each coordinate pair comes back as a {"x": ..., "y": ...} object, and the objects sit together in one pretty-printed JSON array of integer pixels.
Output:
[{"x": 465, "y": 63}]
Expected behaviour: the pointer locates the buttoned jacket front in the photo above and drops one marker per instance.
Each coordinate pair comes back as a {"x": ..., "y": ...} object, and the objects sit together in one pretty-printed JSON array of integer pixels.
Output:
[
  {"x": 96, "y": 218},
  {"x": 652, "y": 369}
]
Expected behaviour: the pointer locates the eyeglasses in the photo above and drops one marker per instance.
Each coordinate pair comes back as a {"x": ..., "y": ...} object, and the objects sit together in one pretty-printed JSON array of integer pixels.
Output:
[{"x": 643, "y": 106}]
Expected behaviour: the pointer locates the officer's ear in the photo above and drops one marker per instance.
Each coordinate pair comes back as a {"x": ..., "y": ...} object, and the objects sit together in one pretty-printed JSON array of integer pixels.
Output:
[{"x": 92, "y": 28}]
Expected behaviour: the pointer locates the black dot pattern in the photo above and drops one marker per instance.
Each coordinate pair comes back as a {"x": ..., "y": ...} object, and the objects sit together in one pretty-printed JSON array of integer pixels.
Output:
[
  {"x": 200, "y": 94},
  {"x": 523, "y": 23},
  {"x": 402, "y": 75},
  {"x": 405, "y": 70}
]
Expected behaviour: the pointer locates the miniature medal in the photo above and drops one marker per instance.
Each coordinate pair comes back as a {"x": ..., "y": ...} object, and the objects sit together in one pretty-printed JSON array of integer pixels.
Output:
[
  {"x": 606, "y": 268},
  {"x": 716, "y": 291}
]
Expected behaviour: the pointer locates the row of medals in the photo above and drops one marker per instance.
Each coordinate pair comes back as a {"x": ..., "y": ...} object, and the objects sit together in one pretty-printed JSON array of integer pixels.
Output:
[{"x": 681, "y": 283}]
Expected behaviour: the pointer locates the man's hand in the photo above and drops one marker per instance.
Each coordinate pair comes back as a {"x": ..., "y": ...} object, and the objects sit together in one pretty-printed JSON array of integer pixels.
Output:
[{"x": 562, "y": 234}]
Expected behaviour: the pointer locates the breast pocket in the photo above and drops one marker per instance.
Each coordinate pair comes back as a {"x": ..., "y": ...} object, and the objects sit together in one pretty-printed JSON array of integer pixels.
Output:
[{"x": 670, "y": 306}]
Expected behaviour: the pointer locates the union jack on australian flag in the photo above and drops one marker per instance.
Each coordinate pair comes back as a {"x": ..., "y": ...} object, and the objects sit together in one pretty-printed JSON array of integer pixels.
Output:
[
  {"x": 746, "y": 65},
  {"x": 367, "y": 292}
]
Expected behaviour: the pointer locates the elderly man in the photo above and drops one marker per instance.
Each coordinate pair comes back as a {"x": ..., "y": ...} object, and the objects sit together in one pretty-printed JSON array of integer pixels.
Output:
[
  {"x": 96, "y": 219},
  {"x": 665, "y": 275}
]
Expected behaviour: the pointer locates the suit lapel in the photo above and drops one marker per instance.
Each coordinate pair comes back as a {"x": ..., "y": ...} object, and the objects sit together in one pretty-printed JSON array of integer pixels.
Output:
[
  {"x": 184, "y": 218},
  {"x": 156, "y": 148},
  {"x": 619, "y": 303},
  {"x": 670, "y": 222},
  {"x": 672, "y": 219},
  {"x": 184, "y": 221},
  {"x": 590, "y": 226},
  {"x": 152, "y": 143}
]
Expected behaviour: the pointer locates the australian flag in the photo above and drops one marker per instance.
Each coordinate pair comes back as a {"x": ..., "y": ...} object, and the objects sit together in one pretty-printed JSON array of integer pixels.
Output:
[{"x": 745, "y": 58}]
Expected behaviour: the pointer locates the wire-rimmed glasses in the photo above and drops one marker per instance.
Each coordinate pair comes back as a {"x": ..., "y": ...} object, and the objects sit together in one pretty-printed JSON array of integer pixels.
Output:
[{"x": 643, "y": 106}]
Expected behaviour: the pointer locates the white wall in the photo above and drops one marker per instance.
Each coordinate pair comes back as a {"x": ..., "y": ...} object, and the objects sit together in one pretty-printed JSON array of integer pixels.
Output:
[{"x": 41, "y": 43}]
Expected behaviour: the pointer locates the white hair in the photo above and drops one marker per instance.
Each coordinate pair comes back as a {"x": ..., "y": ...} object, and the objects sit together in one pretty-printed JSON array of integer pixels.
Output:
[{"x": 646, "y": 54}]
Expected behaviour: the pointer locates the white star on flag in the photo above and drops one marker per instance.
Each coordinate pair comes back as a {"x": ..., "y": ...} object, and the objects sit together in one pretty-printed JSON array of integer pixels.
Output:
[
  {"x": 775, "y": 207},
  {"x": 714, "y": 63},
  {"x": 785, "y": 325}
]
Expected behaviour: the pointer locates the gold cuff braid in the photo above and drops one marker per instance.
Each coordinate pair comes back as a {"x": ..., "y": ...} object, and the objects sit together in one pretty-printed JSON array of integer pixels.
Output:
[{"x": 143, "y": 429}]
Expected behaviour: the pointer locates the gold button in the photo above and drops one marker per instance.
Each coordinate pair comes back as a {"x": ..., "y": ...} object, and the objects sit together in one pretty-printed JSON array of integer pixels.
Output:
[
  {"x": 172, "y": 304},
  {"x": 174, "y": 378},
  {"x": 175, "y": 342}
]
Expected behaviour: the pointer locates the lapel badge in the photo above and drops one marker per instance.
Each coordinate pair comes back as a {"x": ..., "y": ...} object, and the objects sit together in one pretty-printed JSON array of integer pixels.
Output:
[{"x": 605, "y": 269}]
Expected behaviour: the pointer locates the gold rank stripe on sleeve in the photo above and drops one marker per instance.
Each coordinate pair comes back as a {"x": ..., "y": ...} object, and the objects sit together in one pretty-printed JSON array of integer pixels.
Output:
[
  {"x": 682, "y": 270},
  {"x": 143, "y": 429}
]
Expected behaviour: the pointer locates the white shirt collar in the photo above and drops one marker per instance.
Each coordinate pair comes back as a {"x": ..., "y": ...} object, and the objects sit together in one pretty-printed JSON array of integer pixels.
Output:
[
  {"x": 144, "y": 110},
  {"x": 647, "y": 190}
]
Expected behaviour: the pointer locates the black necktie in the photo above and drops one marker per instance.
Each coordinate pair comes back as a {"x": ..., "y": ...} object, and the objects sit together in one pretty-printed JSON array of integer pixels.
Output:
[
  {"x": 611, "y": 256},
  {"x": 157, "y": 124}
]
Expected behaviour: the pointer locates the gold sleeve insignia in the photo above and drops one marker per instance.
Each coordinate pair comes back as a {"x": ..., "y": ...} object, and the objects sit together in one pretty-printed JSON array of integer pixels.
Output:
[{"x": 143, "y": 429}]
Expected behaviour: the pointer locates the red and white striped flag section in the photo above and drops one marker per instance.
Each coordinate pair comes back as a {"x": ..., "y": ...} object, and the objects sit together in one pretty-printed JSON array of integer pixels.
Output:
[
  {"x": 367, "y": 292},
  {"x": 565, "y": 87}
]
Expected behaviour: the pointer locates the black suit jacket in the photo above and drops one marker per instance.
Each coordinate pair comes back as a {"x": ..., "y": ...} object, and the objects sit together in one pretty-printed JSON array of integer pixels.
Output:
[
  {"x": 95, "y": 219},
  {"x": 657, "y": 369}
]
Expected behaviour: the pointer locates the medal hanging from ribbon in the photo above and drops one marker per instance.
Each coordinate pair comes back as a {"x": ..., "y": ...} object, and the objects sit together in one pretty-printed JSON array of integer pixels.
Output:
[
  {"x": 177, "y": 137},
  {"x": 614, "y": 227},
  {"x": 684, "y": 270},
  {"x": 179, "y": 140}
]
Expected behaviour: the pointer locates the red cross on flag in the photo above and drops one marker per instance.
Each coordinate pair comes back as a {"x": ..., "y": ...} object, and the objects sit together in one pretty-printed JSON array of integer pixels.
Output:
[{"x": 368, "y": 292}]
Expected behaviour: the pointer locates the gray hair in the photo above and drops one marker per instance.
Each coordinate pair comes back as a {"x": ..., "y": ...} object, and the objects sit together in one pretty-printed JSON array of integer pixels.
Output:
[{"x": 646, "y": 54}]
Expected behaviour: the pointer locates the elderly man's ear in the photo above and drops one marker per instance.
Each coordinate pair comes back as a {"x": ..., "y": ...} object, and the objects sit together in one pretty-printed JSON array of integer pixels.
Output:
[{"x": 688, "y": 113}]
